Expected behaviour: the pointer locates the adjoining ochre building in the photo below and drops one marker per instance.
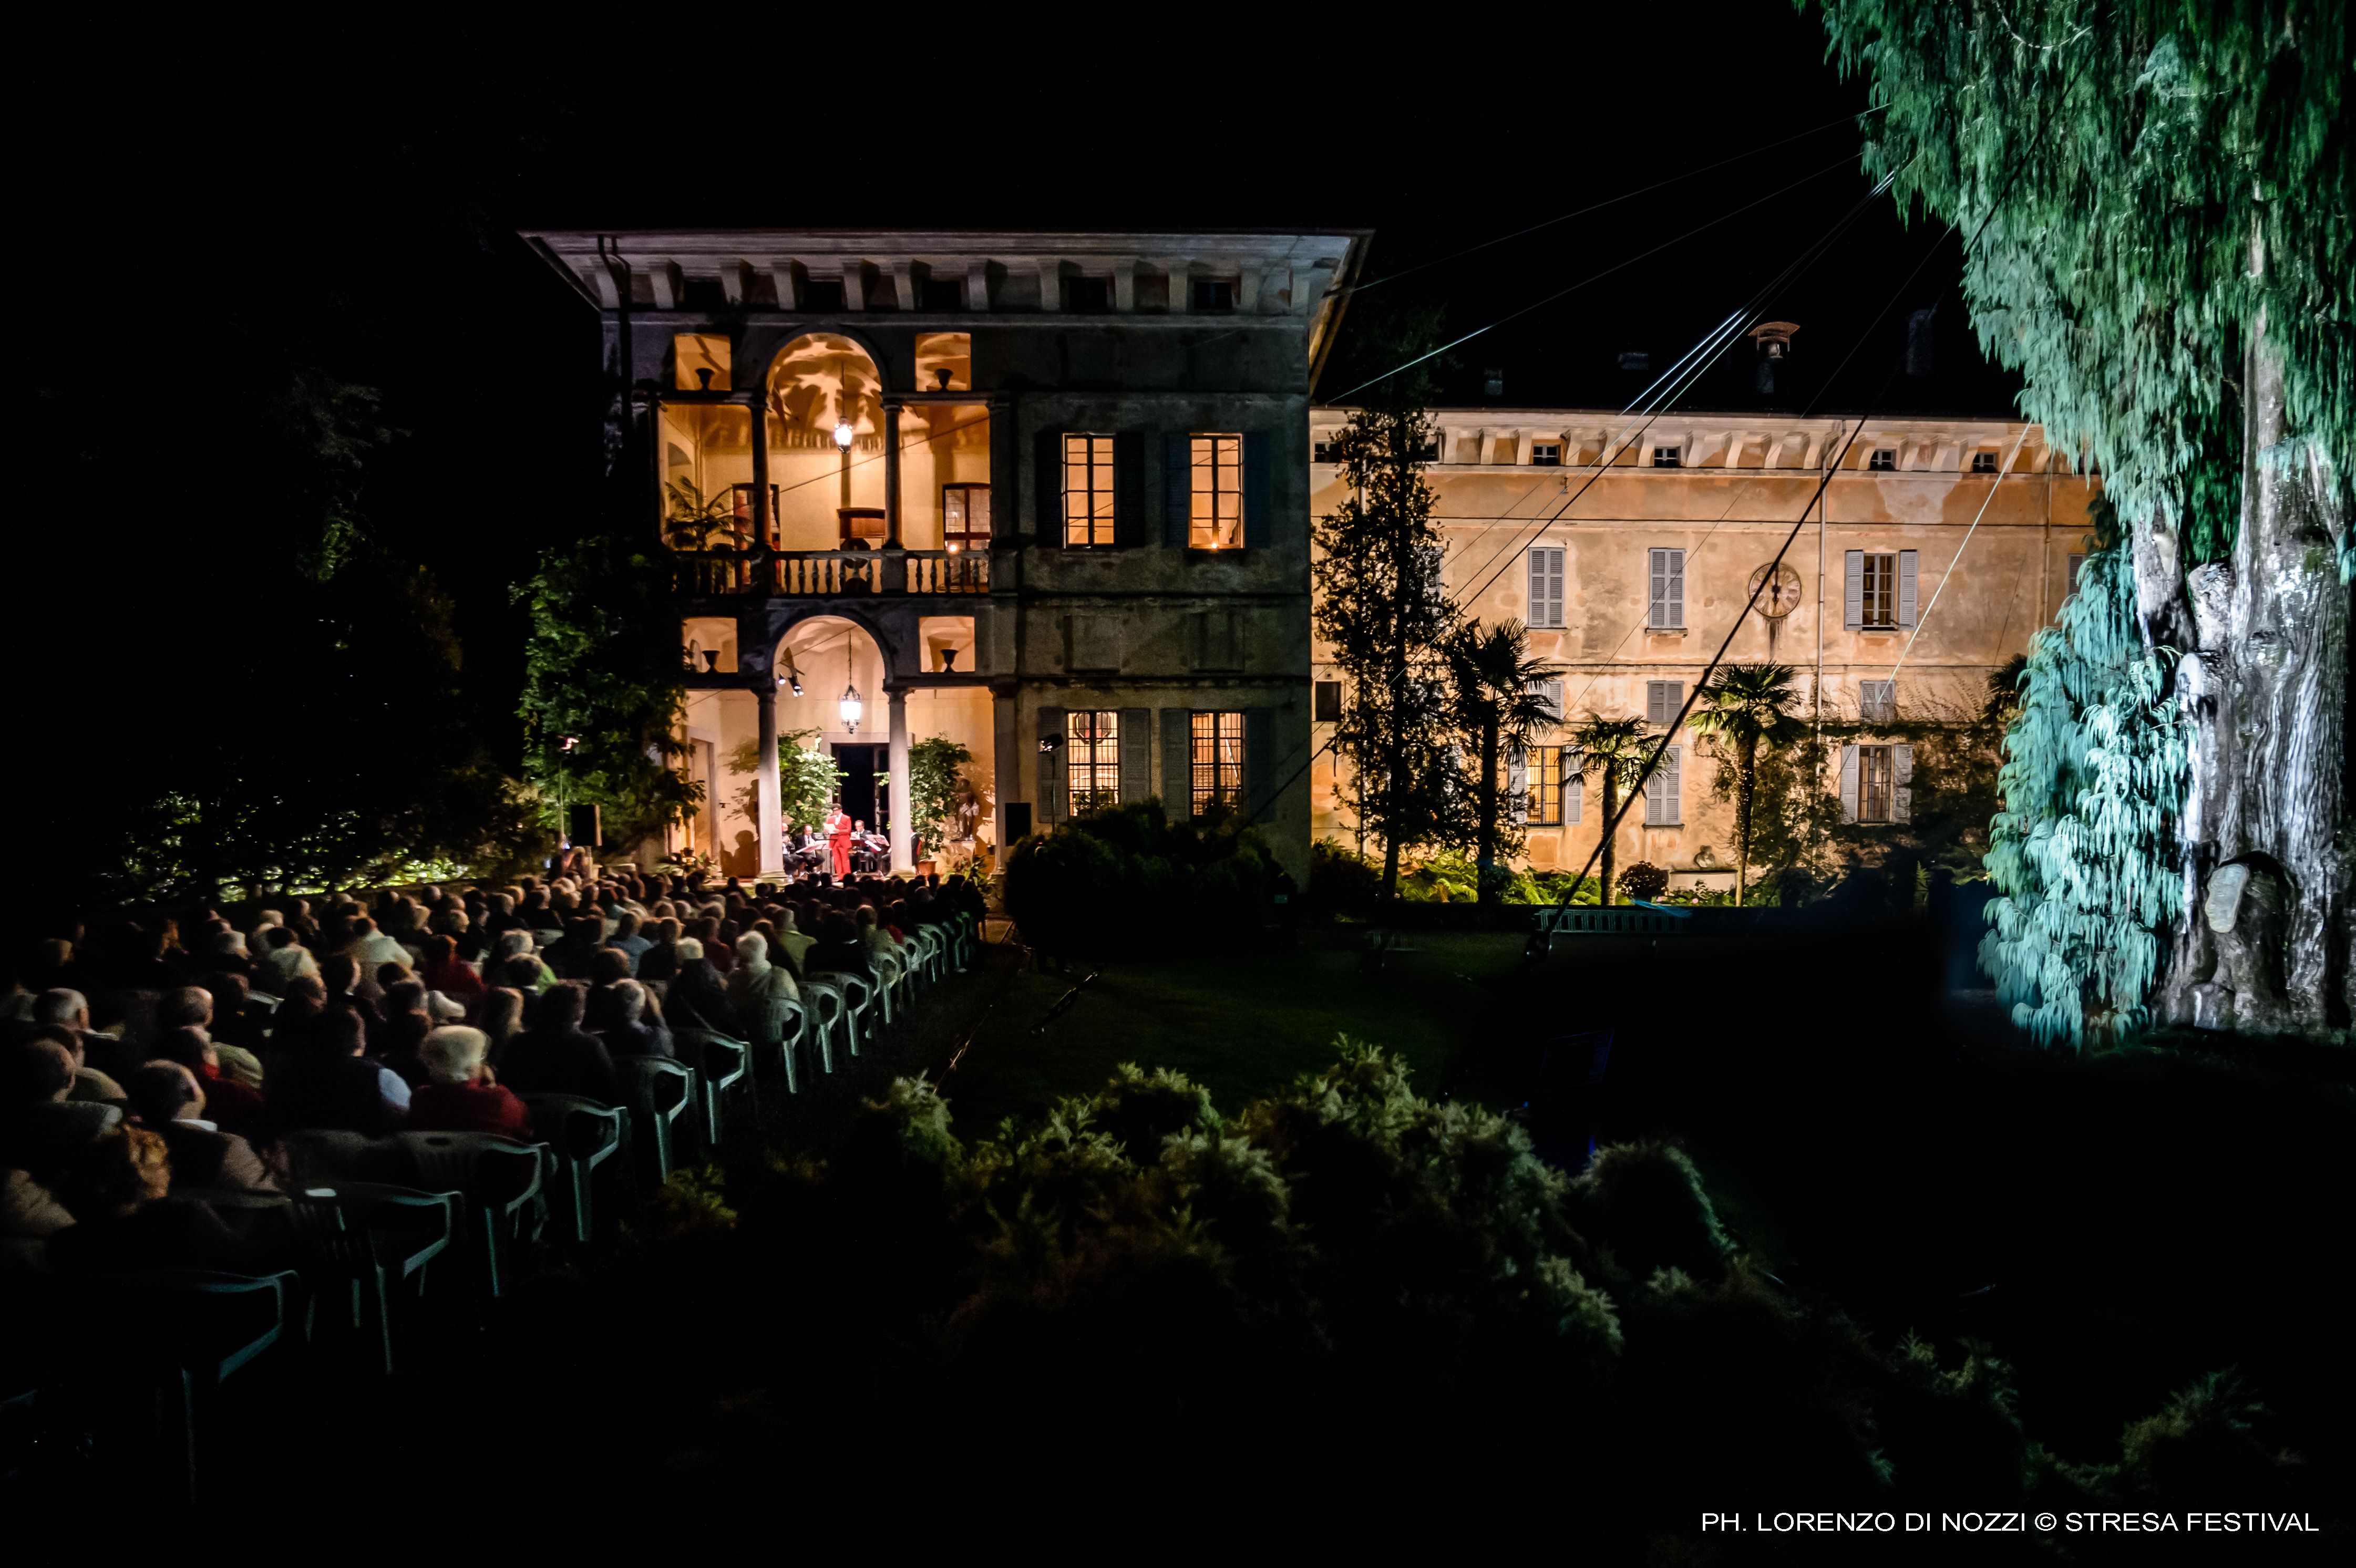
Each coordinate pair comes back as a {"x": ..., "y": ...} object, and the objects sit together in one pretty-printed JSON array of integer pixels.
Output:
[
  {"x": 1629, "y": 546},
  {"x": 1046, "y": 495},
  {"x": 1049, "y": 495}
]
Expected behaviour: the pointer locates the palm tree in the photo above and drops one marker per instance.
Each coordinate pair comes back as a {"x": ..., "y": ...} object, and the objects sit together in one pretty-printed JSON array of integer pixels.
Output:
[
  {"x": 1748, "y": 706},
  {"x": 1615, "y": 751},
  {"x": 1493, "y": 673}
]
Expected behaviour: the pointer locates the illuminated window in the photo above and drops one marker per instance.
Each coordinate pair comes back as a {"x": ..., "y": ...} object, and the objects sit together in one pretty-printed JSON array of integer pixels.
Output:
[
  {"x": 1884, "y": 461},
  {"x": 1668, "y": 596},
  {"x": 1218, "y": 761},
  {"x": 1875, "y": 782},
  {"x": 1546, "y": 455},
  {"x": 1088, "y": 490},
  {"x": 1879, "y": 605},
  {"x": 965, "y": 516},
  {"x": 1545, "y": 786},
  {"x": 1546, "y": 586},
  {"x": 1092, "y": 761},
  {"x": 1215, "y": 510}
]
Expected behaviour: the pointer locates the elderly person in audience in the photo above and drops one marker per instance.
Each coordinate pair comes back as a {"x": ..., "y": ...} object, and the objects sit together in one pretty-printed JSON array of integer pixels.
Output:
[
  {"x": 839, "y": 950},
  {"x": 239, "y": 1109},
  {"x": 554, "y": 1056},
  {"x": 170, "y": 1102},
  {"x": 334, "y": 1085},
  {"x": 447, "y": 972},
  {"x": 499, "y": 1013},
  {"x": 795, "y": 941},
  {"x": 369, "y": 946},
  {"x": 283, "y": 960},
  {"x": 756, "y": 983},
  {"x": 349, "y": 990},
  {"x": 191, "y": 1007},
  {"x": 406, "y": 1024},
  {"x": 659, "y": 962},
  {"x": 234, "y": 1023},
  {"x": 41, "y": 1131},
  {"x": 459, "y": 1096},
  {"x": 626, "y": 938},
  {"x": 698, "y": 996},
  {"x": 68, "y": 1015},
  {"x": 631, "y": 1027}
]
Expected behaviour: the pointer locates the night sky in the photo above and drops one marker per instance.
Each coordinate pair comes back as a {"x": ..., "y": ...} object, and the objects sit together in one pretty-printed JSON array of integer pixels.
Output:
[{"x": 238, "y": 208}]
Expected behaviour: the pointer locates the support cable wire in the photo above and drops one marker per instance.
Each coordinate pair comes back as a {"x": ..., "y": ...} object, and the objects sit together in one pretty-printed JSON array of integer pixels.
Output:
[
  {"x": 1923, "y": 620},
  {"x": 1599, "y": 277},
  {"x": 1680, "y": 377},
  {"x": 1540, "y": 939},
  {"x": 1355, "y": 289}
]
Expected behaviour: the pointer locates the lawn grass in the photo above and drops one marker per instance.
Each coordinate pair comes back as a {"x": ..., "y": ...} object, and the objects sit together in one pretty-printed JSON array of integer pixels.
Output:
[{"x": 1241, "y": 1024}]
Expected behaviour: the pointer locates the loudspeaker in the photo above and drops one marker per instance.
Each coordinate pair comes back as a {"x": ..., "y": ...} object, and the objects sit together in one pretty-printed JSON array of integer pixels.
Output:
[
  {"x": 1018, "y": 822},
  {"x": 581, "y": 828}
]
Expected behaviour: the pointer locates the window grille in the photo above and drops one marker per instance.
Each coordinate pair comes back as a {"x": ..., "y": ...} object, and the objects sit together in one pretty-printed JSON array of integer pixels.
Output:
[
  {"x": 1215, "y": 499},
  {"x": 1092, "y": 761},
  {"x": 1218, "y": 761}
]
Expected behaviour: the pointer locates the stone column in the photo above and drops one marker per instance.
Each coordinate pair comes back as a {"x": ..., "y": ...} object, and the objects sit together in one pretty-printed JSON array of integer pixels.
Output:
[
  {"x": 903, "y": 854},
  {"x": 764, "y": 525},
  {"x": 891, "y": 473},
  {"x": 771, "y": 826}
]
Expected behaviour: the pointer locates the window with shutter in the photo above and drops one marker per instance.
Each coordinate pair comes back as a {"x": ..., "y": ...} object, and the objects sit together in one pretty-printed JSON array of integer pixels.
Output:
[
  {"x": 1136, "y": 754},
  {"x": 1546, "y": 586},
  {"x": 1668, "y": 596},
  {"x": 1901, "y": 774},
  {"x": 1853, "y": 590},
  {"x": 1877, "y": 701},
  {"x": 1848, "y": 784},
  {"x": 1549, "y": 692},
  {"x": 1664, "y": 797},
  {"x": 1874, "y": 784},
  {"x": 1661, "y": 700},
  {"x": 1177, "y": 764},
  {"x": 1878, "y": 602},
  {"x": 1260, "y": 489},
  {"x": 1051, "y": 767},
  {"x": 1574, "y": 785},
  {"x": 1906, "y": 599},
  {"x": 1517, "y": 783}
]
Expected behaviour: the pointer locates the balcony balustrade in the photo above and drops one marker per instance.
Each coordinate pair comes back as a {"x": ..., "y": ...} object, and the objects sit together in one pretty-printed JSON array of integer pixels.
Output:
[{"x": 826, "y": 573}]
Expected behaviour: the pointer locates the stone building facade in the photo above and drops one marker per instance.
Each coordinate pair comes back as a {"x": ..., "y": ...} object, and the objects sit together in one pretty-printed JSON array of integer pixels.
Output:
[
  {"x": 1629, "y": 546},
  {"x": 1043, "y": 495}
]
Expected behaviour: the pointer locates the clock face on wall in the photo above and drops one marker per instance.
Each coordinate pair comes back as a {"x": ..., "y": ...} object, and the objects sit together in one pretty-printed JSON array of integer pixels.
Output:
[{"x": 1778, "y": 599}]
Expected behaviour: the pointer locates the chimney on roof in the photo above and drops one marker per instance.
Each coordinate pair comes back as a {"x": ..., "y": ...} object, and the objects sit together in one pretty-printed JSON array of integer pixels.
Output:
[{"x": 1771, "y": 342}]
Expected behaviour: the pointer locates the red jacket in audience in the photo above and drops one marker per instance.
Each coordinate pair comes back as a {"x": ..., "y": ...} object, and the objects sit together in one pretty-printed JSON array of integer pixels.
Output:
[{"x": 468, "y": 1108}]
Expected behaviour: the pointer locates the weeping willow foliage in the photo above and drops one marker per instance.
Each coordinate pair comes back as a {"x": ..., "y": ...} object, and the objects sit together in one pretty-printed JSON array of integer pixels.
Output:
[
  {"x": 2095, "y": 766},
  {"x": 2144, "y": 180}
]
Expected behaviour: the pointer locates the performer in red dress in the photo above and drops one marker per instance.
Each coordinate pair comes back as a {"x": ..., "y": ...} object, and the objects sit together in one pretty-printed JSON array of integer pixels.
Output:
[{"x": 837, "y": 838}]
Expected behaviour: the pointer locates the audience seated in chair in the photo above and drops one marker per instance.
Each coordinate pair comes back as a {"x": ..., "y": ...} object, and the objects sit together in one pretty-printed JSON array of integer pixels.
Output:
[
  {"x": 632, "y": 1027},
  {"x": 237, "y": 1108},
  {"x": 125, "y": 1219},
  {"x": 698, "y": 997},
  {"x": 554, "y": 1056},
  {"x": 459, "y": 1095},
  {"x": 170, "y": 1102},
  {"x": 333, "y": 1086}
]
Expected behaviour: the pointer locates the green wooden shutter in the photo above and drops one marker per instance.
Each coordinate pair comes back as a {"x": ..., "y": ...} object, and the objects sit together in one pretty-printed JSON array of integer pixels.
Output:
[
  {"x": 1128, "y": 489},
  {"x": 1047, "y": 486},
  {"x": 1136, "y": 754},
  {"x": 1260, "y": 503},
  {"x": 1177, "y": 764},
  {"x": 1260, "y": 756},
  {"x": 1177, "y": 487},
  {"x": 1052, "y": 808}
]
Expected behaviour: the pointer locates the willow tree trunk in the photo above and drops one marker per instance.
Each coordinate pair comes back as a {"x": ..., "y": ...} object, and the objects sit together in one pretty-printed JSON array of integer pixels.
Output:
[{"x": 2262, "y": 943}]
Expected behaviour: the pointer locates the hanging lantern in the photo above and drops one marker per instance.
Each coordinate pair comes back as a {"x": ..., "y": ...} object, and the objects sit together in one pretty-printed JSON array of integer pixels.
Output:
[
  {"x": 844, "y": 434},
  {"x": 851, "y": 708}
]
